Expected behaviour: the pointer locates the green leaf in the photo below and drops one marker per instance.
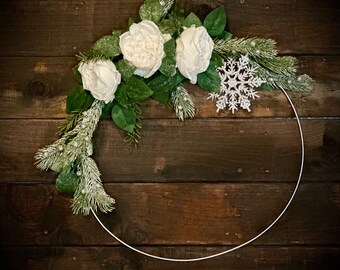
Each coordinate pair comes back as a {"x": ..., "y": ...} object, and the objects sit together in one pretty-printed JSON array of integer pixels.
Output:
[
  {"x": 67, "y": 181},
  {"x": 216, "y": 60},
  {"x": 215, "y": 21},
  {"x": 124, "y": 118},
  {"x": 108, "y": 45},
  {"x": 192, "y": 19},
  {"x": 209, "y": 80},
  {"x": 168, "y": 67},
  {"x": 151, "y": 10},
  {"x": 225, "y": 35},
  {"x": 168, "y": 26},
  {"x": 162, "y": 86},
  {"x": 170, "y": 48},
  {"x": 163, "y": 83},
  {"x": 76, "y": 98},
  {"x": 88, "y": 101},
  {"x": 178, "y": 12},
  {"x": 137, "y": 89},
  {"x": 266, "y": 87},
  {"x": 77, "y": 74},
  {"x": 131, "y": 21},
  {"x": 162, "y": 97},
  {"x": 125, "y": 68},
  {"x": 121, "y": 95},
  {"x": 107, "y": 108}
]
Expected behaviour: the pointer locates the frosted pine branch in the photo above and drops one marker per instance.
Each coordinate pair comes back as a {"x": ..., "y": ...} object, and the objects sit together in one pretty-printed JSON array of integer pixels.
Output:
[
  {"x": 74, "y": 148},
  {"x": 90, "y": 192},
  {"x": 288, "y": 82},
  {"x": 73, "y": 143},
  {"x": 285, "y": 65},
  {"x": 182, "y": 103},
  {"x": 256, "y": 47},
  {"x": 166, "y": 5}
]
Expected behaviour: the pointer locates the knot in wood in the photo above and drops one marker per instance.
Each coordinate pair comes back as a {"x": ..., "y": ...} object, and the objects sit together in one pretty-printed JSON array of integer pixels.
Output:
[
  {"x": 39, "y": 87},
  {"x": 134, "y": 234}
]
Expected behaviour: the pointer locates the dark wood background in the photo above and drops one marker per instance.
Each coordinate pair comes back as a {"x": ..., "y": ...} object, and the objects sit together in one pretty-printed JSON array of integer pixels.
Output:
[{"x": 192, "y": 188}]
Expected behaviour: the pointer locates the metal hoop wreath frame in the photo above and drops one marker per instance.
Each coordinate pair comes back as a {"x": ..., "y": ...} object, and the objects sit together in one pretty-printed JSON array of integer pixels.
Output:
[{"x": 243, "y": 244}]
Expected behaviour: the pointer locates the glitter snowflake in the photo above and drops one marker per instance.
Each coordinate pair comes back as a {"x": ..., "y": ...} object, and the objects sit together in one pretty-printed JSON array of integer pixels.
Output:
[{"x": 238, "y": 83}]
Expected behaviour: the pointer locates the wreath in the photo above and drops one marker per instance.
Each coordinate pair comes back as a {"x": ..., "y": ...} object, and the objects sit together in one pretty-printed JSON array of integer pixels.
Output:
[{"x": 155, "y": 57}]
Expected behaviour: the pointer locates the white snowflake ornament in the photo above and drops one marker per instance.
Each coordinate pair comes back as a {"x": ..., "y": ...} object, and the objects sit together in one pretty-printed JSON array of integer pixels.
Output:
[{"x": 238, "y": 83}]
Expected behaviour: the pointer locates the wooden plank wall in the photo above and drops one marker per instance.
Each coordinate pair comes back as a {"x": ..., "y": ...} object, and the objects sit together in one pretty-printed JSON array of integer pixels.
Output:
[{"x": 193, "y": 188}]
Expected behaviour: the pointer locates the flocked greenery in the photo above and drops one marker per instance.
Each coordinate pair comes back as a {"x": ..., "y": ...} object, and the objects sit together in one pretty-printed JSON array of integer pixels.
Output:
[
  {"x": 182, "y": 103},
  {"x": 70, "y": 155},
  {"x": 277, "y": 71},
  {"x": 73, "y": 150}
]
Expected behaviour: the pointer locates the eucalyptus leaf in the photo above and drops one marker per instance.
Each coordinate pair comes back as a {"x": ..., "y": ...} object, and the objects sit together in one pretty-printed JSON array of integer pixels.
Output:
[
  {"x": 108, "y": 45},
  {"x": 216, "y": 21},
  {"x": 209, "y": 80},
  {"x": 137, "y": 90},
  {"x": 192, "y": 19},
  {"x": 124, "y": 118},
  {"x": 125, "y": 68}
]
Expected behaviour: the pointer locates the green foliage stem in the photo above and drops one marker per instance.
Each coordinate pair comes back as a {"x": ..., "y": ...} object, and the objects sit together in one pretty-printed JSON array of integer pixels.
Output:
[{"x": 256, "y": 47}]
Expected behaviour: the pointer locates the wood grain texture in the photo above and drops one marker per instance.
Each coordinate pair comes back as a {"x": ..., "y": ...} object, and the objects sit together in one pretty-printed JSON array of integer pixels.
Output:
[
  {"x": 103, "y": 258},
  {"x": 62, "y": 28},
  {"x": 192, "y": 188},
  {"x": 175, "y": 214},
  {"x": 39, "y": 85},
  {"x": 195, "y": 151}
]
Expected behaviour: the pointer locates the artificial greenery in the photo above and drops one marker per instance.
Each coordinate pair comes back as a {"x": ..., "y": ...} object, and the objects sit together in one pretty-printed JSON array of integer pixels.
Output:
[
  {"x": 71, "y": 154},
  {"x": 182, "y": 103}
]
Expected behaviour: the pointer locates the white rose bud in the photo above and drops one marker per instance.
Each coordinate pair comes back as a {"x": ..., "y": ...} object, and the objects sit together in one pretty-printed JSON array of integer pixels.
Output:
[
  {"x": 193, "y": 52},
  {"x": 101, "y": 78},
  {"x": 143, "y": 46}
]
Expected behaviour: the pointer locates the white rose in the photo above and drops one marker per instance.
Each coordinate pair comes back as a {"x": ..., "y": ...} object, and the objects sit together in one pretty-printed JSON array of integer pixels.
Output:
[
  {"x": 143, "y": 46},
  {"x": 101, "y": 78},
  {"x": 193, "y": 52}
]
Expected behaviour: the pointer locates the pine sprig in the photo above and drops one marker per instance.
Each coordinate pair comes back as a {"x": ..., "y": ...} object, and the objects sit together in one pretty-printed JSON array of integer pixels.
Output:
[
  {"x": 73, "y": 143},
  {"x": 182, "y": 103},
  {"x": 256, "y": 47},
  {"x": 166, "y": 5},
  {"x": 134, "y": 137},
  {"x": 285, "y": 65},
  {"x": 91, "y": 56},
  {"x": 70, "y": 122},
  {"x": 75, "y": 147},
  {"x": 277, "y": 71},
  {"x": 90, "y": 192},
  {"x": 288, "y": 82}
]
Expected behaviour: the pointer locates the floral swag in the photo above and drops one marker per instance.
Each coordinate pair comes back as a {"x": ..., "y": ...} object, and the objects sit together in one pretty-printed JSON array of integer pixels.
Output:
[{"x": 155, "y": 58}]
